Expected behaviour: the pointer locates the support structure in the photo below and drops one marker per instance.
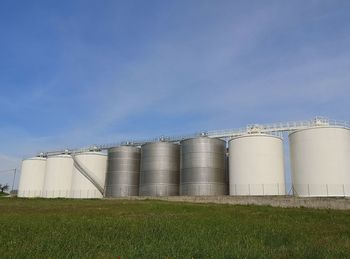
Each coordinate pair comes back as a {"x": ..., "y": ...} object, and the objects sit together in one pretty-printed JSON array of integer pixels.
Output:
[{"x": 273, "y": 128}]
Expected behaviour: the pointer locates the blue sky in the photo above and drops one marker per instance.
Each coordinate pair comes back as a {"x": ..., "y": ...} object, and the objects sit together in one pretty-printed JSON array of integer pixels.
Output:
[{"x": 75, "y": 73}]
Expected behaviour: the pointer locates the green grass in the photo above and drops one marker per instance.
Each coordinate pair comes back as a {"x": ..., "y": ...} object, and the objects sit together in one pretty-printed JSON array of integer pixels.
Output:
[
  {"x": 41, "y": 228},
  {"x": 3, "y": 194}
]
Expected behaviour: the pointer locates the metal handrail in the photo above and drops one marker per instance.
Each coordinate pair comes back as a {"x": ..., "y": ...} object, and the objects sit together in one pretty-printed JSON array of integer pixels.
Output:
[{"x": 273, "y": 128}]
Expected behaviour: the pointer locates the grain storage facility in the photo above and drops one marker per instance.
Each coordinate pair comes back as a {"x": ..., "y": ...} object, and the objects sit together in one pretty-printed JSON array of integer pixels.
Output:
[
  {"x": 123, "y": 173},
  {"x": 256, "y": 165},
  {"x": 160, "y": 169},
  {"x": 203, "y": 164},
  {"x": 58, "y": 177},
  {"x": 88, "y": 175},
  {"x": 320, "y": 161},
  {"x": 252, "y": 163},
  {"x": 32, "y": 177}
]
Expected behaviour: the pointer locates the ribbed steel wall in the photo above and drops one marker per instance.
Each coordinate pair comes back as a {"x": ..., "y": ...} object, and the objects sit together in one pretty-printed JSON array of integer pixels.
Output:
[
  {"x": 123, "y": 173},
  {"x": 160, "y": 169},
  {"x": 203, "y": 167}
]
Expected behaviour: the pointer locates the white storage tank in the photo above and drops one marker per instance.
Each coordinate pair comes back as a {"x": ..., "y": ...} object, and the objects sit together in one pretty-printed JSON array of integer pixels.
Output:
[
  {"x": 256, "y": 165},
  {"x": 320, "y": 161},
  {"x": 96, "y": 165},
  {"x": 32, "y": 177},
  {"x": 58, "y": 176}
]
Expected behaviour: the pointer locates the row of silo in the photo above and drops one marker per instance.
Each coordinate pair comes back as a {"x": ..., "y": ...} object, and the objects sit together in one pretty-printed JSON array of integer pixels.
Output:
[
  {"x": 250, "y": 164},
  {"x": 195, "y": 167},
  {"x": 60, "y": 176},
  {"x": 320, "y": 165},
  {"x": 319, "y": 156},
  {"x": 152, "y": 170},
  {"x": 198, "y": 167}
]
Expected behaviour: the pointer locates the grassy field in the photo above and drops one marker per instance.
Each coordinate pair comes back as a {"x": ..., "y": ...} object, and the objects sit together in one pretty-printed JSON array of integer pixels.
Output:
[{"x": 156, "y": 229}]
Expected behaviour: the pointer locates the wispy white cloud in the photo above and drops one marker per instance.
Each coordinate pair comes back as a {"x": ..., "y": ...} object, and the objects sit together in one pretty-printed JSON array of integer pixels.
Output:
[{"x": 226, "y": 64}]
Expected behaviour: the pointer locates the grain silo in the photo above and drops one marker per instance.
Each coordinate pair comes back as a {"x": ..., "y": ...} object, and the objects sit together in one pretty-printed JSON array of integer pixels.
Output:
[
  {"x": 58, "y": 177},
  {"x": 89, "y": 174},
  {"x": 203, "y": 164},
  {"x": 160, "y": 169},
  {"x": 32, "y": 177},
  {"x": 320, "y": 161},
  {"x": 256, "y": 165},
  {"x": 123, "y": 172}
]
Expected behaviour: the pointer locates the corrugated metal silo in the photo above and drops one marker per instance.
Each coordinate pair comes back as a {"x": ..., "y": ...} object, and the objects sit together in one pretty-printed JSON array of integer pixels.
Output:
[
  {"x": 32, "y": 177},
  {"x": 123, "y": 173},
  {"x": 256, "y": 165},
  {"x": 160, "y": 169},
  {"x": 320, "y": 161},
  {"x": 95, "y": 164},
  {"x": 58, "y": 176},
  {"x": 203, "y": 167}
]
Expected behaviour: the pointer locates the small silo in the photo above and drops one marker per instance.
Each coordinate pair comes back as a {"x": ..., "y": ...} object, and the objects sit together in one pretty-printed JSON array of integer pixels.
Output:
[
  {"x": 94, "y": 165},
  {"x": 123, "y": 172},
  {"x": 58, "y": 177},
  {"x": 160, "y": 169},
  {"x": 203, "y": 167},
  {"x": 320, "y": 161},
  {"x": 256, "y": 165},
  {"x": 32, "y": 177}
]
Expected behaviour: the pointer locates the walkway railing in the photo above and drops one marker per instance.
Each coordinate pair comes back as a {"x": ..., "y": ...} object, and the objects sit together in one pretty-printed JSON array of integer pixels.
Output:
[{"x": 273, "y": 128}]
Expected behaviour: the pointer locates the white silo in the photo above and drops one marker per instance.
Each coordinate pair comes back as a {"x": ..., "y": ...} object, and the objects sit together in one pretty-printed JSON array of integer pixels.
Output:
[
  {"x": 95, "y": 164},
  {"x": 58, "y": 176},
  {"x": 32, "y": 177},
  {"x": 320, "y": 161},
  {"x": 256, "y": 165}
]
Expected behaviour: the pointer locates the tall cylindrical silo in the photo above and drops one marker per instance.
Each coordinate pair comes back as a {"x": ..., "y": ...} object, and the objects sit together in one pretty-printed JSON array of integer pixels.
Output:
[
  {"x": 32, "y": 178},
  {"x": 58, "y": 178},
  {"x": 256, "y": 165},
  {"x": 320, "y": 161},
  {"x": 203, "y": 167},
  {"x": 123, "y": 173},
  {"x": 160, "y": 169},
  {"x": 94, "y": 164}
]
